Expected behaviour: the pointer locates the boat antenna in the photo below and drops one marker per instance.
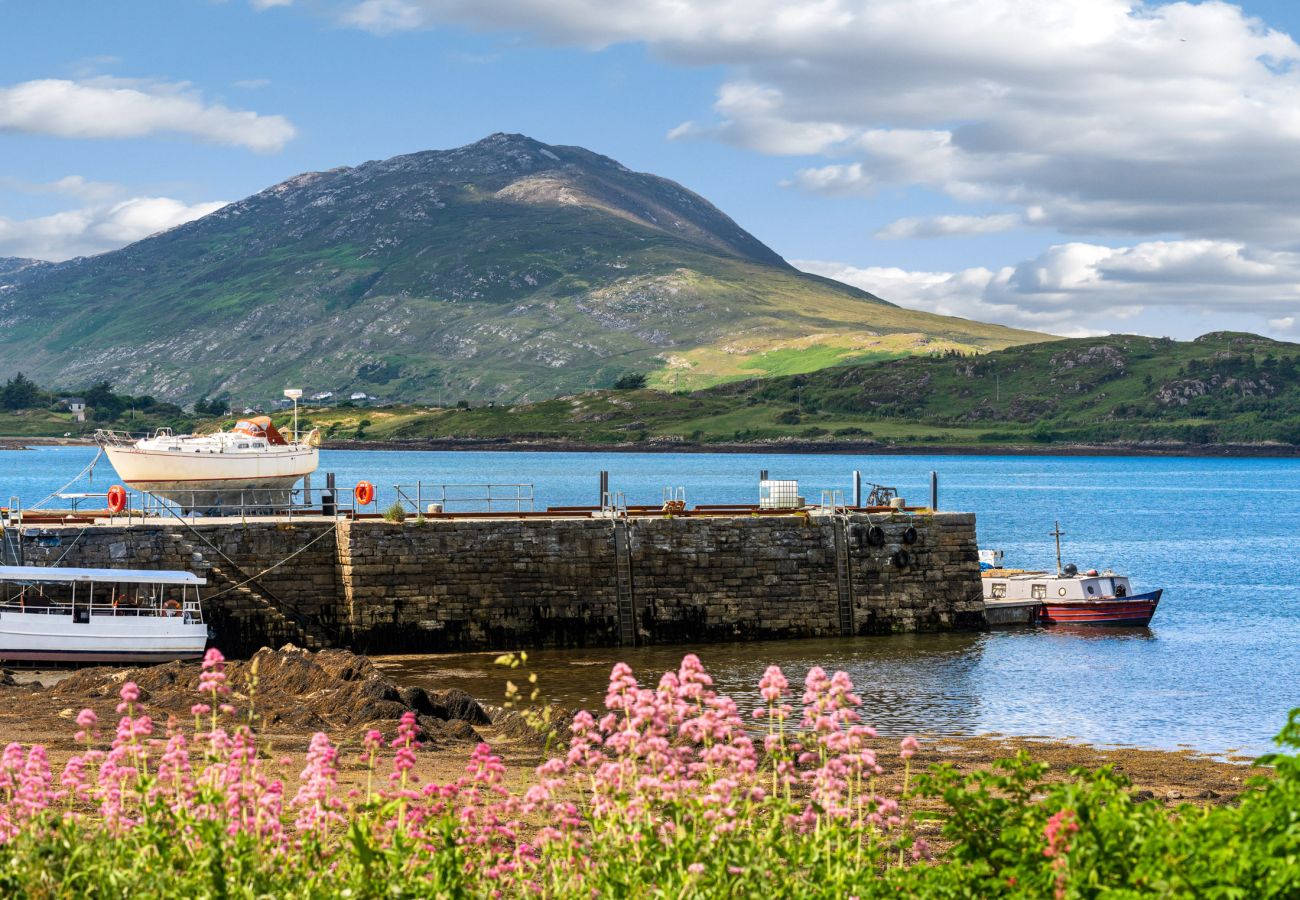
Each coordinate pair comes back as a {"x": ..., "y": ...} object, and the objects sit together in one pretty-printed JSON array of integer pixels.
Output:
[
  {"x": 1057, "y": 533},
  {"x": 293, "y": 394}
]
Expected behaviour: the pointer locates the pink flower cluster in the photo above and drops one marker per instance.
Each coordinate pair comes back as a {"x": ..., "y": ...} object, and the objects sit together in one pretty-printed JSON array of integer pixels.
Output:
[{"x": 674, "y": 765}]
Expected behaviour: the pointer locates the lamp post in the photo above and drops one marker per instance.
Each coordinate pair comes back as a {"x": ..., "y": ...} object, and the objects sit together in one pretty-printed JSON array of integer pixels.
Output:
[{"x": 293, "y": 394}]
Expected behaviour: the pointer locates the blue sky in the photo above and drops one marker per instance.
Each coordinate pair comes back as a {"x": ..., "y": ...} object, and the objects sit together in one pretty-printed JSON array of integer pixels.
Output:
[{"x": 922, "y": 149}]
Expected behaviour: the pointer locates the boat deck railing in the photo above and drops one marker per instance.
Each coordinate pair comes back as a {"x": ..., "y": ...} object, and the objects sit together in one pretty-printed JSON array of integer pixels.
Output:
[{"x": 190, "y": 611}]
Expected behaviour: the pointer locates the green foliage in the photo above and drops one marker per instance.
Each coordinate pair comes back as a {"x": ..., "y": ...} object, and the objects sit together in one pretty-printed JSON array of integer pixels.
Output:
[
  {"x": 395, "y": 513},
  {"x": 215, "y": 407},
  {"x": 20, "y": 392},
  {"x": 630, "y": 382}
]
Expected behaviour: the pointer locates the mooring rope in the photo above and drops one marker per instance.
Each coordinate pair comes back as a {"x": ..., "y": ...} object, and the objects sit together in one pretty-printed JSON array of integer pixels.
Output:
[
  {"x": 271, "y": 568},
  {"x": 52, "y": 495}
]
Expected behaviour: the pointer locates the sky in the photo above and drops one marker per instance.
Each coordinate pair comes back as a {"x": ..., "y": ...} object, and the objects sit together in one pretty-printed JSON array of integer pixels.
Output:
[{"x": 1069, "y": 166}]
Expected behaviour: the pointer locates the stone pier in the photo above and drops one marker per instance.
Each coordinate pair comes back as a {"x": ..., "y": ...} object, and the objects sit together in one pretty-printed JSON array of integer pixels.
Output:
[{"x": 450, "y": 584}]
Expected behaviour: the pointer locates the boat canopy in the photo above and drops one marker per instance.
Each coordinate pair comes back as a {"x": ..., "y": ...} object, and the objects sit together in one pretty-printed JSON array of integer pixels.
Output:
[
  {"x": 260, "y": 426},
  {"x": 60, "y": 575}
]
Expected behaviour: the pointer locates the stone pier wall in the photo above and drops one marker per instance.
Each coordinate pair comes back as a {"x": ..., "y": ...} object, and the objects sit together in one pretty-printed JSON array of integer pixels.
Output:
[{"x": 468, "y": 584}]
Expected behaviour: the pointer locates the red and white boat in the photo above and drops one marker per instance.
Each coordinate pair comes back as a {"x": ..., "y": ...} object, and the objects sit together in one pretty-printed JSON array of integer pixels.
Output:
[{"x": 1069, "y": 597}]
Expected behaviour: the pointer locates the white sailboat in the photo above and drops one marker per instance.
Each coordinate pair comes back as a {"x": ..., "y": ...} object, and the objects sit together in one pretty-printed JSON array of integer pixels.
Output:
[{"x": 251, "y": 465}]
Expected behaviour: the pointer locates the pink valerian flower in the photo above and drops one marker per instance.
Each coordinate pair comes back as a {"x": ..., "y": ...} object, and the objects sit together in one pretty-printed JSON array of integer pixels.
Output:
[
  {"x": 405, "y": 745},
  {"x": 33, "y": 794},
  {"x": 1057, "y": 831},
  {"x": 212, "y": 680},
  {"x": 318, "y": 809},
  {"x": 74, "y": 777}
]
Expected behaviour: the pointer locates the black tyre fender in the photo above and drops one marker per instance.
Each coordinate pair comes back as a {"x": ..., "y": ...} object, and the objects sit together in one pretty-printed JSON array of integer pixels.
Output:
[
  {"x": 876, "y": 536},
  {"x": 901, "y": 559},
  {"x": 909, "y": 535}
]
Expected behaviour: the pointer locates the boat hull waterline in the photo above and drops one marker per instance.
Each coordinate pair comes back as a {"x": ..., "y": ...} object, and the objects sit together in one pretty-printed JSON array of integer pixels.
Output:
[
  {"x": 55, "y": 637},
  {"x": 1118, "y": 612}
]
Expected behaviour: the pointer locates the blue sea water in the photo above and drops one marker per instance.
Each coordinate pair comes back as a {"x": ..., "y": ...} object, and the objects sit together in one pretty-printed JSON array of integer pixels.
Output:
[{"x": 1217, "y": 670}]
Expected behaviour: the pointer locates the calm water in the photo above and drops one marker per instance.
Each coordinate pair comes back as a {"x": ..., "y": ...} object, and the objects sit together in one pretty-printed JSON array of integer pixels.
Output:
[{"x": 1217, "y": 670}]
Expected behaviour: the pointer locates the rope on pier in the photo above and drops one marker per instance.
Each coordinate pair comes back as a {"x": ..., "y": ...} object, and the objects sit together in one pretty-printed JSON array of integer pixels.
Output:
[{"x": 253, "y": 578}]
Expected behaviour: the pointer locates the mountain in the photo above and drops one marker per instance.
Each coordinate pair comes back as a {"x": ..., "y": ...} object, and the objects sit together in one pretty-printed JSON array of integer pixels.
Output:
[
  {"x": 504, "y": 269},
  {"x": 1222, "y": 388},
  {"x": 14, "y": 268}
]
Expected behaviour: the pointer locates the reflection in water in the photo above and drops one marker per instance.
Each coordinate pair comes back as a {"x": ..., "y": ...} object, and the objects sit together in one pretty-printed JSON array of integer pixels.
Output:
[
  {"x": 907, "y": 682},
  {"x": 1060, "y": 683}
]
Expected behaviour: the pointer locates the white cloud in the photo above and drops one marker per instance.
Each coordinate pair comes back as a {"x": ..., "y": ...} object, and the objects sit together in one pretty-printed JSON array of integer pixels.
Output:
[
  {"x": 114, "y": 108},
  {"x": 385, "y": 16},
  {"x": 1080, "y": 288},
  {"x": 261, "y": 5},
  {"x": 1103, "y": 115},
  {"x": 96, "y": 228},
  {"x": 950, "y": 226},
  {"x": 69, "y": 186},
  {"x": 252, "y": 84}
]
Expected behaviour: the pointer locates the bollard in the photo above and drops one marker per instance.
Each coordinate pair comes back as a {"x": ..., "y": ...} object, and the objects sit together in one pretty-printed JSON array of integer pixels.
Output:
[
  {"x": 857, "y": 489},
  {"x": 934, "y": 491},
  {"x": 762, "y": 474},
  {"x": 604, "y": 487}
]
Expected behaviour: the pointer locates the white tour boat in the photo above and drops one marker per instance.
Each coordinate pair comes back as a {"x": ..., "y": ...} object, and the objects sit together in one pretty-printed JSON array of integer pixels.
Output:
[
  {"x": 249, "y": 466},
  {"x": 52, "y": 614}
]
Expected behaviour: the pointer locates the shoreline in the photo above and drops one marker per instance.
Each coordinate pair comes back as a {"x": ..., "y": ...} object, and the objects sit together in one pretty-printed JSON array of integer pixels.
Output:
[
  {"x": 793, "y": 447},
  {"x": 342, "y": 694},
  {"x": 840, "y": 448}
]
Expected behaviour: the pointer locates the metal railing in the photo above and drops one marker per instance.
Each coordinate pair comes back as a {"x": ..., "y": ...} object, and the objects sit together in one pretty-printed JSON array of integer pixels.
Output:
[
  {"x": 278, "y": 502},
  {"x": 424, "y": 497}
]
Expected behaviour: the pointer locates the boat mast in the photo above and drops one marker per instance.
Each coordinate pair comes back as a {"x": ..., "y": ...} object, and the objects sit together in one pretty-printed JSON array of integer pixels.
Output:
[
  {"x": 1057, "y": 533},
  {"x": 293, "y": 394}
]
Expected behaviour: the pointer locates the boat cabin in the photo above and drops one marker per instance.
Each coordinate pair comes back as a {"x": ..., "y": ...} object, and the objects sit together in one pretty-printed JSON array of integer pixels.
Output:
[
  {"x": 84, "y": 594},
  {"x": 1003, "y": 584}
]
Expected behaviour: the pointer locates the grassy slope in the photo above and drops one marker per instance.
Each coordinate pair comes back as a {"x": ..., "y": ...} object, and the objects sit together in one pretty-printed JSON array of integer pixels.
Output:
[{"x": 1237, "y": 388}]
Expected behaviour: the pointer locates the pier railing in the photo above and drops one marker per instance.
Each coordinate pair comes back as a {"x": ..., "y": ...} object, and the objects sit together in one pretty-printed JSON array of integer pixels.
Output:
[{"x": 428, "y": 497}]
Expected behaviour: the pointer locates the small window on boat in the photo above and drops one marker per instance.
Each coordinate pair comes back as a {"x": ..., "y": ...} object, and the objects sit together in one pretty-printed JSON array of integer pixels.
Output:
[
  {"x": 241, "y": 446},
  {"x": 1061, "y": 592},
  {"x": 999, "y": 591},
  {"x": 1092, "y": 589},
  {"x": 1038, "y": 591}
]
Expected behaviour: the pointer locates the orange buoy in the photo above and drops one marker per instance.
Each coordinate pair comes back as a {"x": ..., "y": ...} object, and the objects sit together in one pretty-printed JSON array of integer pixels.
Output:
[
  {"x": 116, "y": 498},
  {"x": 365, "y": 493}
]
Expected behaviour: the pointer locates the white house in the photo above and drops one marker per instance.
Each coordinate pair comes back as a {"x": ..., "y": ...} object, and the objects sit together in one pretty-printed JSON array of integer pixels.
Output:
[{"x": 76, "y": 406}]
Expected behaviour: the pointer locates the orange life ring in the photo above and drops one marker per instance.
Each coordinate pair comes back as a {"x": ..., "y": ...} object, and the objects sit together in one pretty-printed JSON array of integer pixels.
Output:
[
  {"x": 116, "y": 498},
  {"x": 365, "y": 493}
]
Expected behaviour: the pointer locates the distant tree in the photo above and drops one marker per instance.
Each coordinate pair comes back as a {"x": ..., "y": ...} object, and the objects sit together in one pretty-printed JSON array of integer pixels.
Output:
[
  {"x": 214, "y": 407},
  {"x": 105, "y": 404},
  {"x": 19, "y": 392},
  {"x": 462, "y": 404},
  {"x": 630, "y": 381}
]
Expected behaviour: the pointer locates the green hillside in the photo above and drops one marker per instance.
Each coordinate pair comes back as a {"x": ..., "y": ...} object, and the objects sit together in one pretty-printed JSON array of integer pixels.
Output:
[
  {"x": 507, "y": 269},
  {"x": 1219, "y": 388}
]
